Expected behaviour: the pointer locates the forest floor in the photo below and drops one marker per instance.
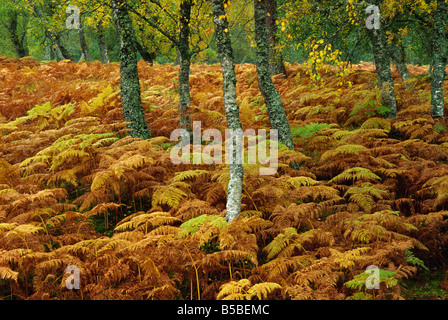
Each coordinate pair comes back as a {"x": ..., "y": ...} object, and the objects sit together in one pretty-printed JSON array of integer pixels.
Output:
[{"x": 76, "y": 191}]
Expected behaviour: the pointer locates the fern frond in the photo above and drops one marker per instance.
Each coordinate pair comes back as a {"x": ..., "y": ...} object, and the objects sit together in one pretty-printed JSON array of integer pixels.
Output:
[
  {"x": 263, "y": 290},
  {"x": 147, "y": 222},
  {"x": 301, "y": 181},
  {"x": 64, "y": 176},
  {"x": 377, "y": 123},
  {"x": 189, "y": 175},
  {"x": 350, "y": 149},
  {"x": 355, "y": 174},
  {"x": 193, "y": 208},
  {"x": 98, "y": 103},
  {"x": 100, "y": 180},
  {"x": 317, "y": 193},
  {"x": 348, "y": 259},
  {"x": 170, "y": 195},
  {"x": 280, "y": 242},
  {"x": 364, "y": 195},
  {"x": 193, "y": 225},
  {"x": 360, "y": 280},
  {"x": 8, "y": 274},
  {"x": 234, "y": 290},
  {"x": 440, "y": 187}
]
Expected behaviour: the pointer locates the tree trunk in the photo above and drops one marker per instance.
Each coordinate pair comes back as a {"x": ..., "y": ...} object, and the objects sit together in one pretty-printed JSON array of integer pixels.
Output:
[
  {"x": 60, "y": 51},
  {"x": 274, "y": 104},
  {"x": 55, "y": 51},
  {"x": 398, "y": 56},
  {"x": 185, "y": 61},
  {"x": 129, "y": 80},
  {"x": 439, "y": 59},
  {"x": 17, "y": 39},
  {"x": 225, "y": 53},
  {"x": 276, "y": 64},
  {"x": 177, "y": 59},
  {"x": 64, "y": 51},
  {"x": 146, "y": 55},
  {"x": 104, "y": 55},
  {"x": 83, "y": 43},
  {"x": 382, "y": 64}
]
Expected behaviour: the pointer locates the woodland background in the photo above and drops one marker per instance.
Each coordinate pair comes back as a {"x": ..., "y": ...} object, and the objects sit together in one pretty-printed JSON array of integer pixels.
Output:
[{"x": 76, "y": 189}]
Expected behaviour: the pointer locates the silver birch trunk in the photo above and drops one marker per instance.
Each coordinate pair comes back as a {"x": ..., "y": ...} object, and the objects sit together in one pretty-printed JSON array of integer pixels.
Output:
[
  {"x": 184, "y": 72},
  {"x": 440, "y": 50},
  {"x": 225, "y": 52}
]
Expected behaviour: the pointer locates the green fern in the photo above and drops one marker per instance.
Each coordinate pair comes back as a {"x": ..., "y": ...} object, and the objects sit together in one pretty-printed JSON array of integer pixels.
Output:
[
  {"x": 385, "y": 276},
  {"x": 193, "y": 225},
  {"x": 309, "y": 130},
  {"x": 364, "y": 196},
  {"x": 410, "y": 258}
]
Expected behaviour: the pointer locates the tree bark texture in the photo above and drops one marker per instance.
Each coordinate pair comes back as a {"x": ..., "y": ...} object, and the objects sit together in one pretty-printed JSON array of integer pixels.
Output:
[
  {"x": 185, "y": 62},
  {"x": 398, "y": 56},
  {"x": 129, "y": 80},
  {"x": 276, "y": 64},
  {"x": 440, "y": 51},
  {"x": 382, "y": 64},
  {"x": 225, "y": 53},
  {"x": 144, "y": 52},
  {"x": 104, "y": 55},
  {"x": 274, "y": 104},
  {"x": 83, "y": 43}
]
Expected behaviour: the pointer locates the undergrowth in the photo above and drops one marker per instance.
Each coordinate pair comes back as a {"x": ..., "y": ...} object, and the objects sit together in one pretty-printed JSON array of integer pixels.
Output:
[{"x": 75, "y": 190}]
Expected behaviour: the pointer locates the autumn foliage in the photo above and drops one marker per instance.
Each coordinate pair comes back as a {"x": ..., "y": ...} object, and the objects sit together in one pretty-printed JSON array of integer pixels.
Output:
[{"x": 76, "y": 190}]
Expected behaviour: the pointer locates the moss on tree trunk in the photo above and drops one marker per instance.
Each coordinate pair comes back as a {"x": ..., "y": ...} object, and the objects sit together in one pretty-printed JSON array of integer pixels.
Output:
[
  {"x": 276, "y": 64},
  {"x": 274, "y": 104},
  {"x": 129, "y": 80},
  {"x": 382, "y": 63}
]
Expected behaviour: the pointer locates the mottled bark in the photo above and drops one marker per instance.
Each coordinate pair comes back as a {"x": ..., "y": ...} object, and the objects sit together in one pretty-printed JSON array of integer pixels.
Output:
[
  {"x": 83, "y": 43},
  {"x": 185, "y": 62},
  {"x": 440, "y": 51},
  {"x": 104, "y": 54},
  {"x": 398, "y": 56},
  {"x": 382, "y": 64},
  {"x": 144, "y": 52},
  {"x": 225, "y": 53},
  {"x": 276, "y": 64},
  {"x": 274, "y": 104},
  {"x": 129, "y": 80}
]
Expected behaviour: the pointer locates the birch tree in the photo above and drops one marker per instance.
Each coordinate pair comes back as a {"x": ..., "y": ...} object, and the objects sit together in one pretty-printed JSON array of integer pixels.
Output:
[
  {"x": 129, "y": 80},
  {"x": 440, "y": 50},
  {"x": 225, "y": 53},
  {"x": 274, "y": 104},
  {"x": 382, "y": 59}
]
